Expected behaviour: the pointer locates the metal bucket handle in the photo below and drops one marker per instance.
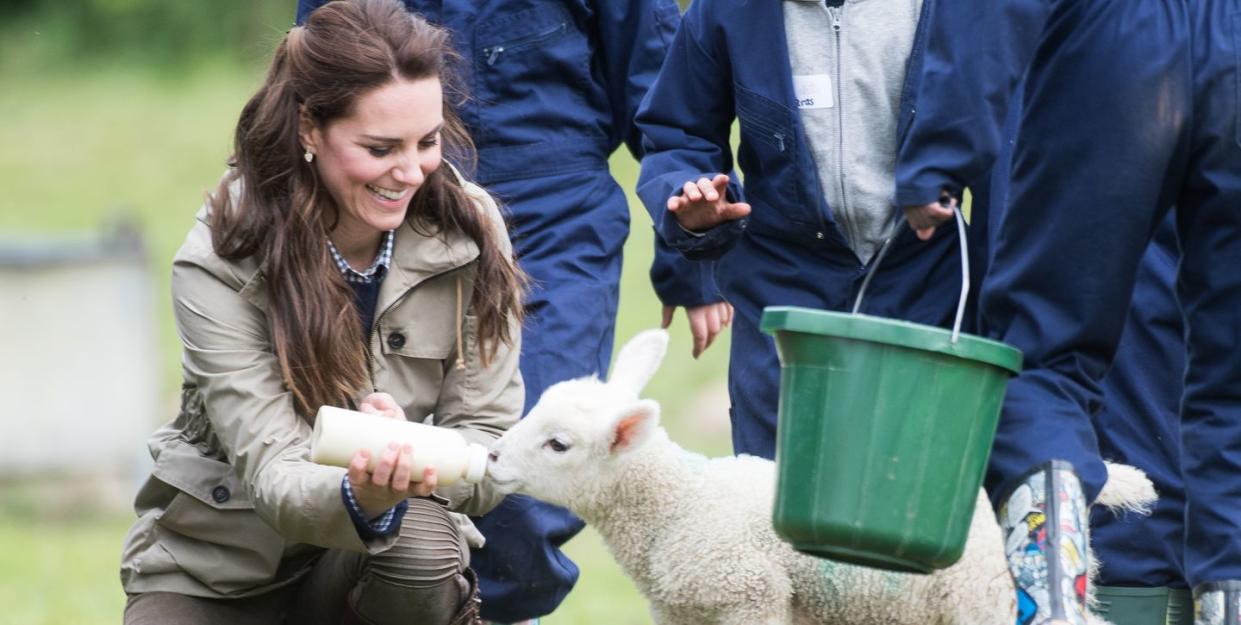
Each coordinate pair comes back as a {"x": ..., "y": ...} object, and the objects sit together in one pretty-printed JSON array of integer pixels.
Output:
[{"x": 965, "y": 267}]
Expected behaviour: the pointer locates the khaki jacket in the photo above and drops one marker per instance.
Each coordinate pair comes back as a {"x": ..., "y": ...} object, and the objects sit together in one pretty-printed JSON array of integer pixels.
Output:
[{"x": 233, "y": 506}]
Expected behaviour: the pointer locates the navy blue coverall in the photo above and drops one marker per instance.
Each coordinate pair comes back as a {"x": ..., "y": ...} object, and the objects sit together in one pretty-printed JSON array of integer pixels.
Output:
[
  {"x": 1130, "y": 107},
  {"x": 1138, "y": 418},
  {"x": 729, "y": 61},
  {"x": 553, "y": 88},
  {"x": 1138, "y": 424}
]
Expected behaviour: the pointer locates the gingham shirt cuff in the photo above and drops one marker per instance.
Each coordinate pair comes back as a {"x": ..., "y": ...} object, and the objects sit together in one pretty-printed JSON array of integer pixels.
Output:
[{"x": 382, "y": 525}]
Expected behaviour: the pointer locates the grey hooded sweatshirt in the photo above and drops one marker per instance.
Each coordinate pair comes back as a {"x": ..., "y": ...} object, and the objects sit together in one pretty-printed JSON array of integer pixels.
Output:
[{"x": 848, "y": 65}]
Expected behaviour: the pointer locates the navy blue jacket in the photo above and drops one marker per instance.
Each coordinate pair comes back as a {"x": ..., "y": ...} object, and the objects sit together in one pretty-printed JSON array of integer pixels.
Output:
[
  {"x": 730, "y": 59},
  {"x": 967, "y": 60}
]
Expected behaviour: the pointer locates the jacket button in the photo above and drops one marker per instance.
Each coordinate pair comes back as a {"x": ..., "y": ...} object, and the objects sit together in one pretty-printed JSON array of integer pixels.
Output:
[
  {"x": 396, "y": 340},
  {"x": 220, "y": 494}
]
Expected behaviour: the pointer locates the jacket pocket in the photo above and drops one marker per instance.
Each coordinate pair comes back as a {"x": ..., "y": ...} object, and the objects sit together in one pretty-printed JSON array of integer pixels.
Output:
[
  {"x": 769, "y": 157},
  {"x": 424, "y": 323},
  {"x": 210, "y": 528},
  {"x": 530, "y": 65},
  {"x": 764, "y": 121}
]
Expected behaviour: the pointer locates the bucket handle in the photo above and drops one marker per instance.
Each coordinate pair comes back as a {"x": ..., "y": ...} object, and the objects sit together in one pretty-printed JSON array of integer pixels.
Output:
[{"x": 965, "y": 268}]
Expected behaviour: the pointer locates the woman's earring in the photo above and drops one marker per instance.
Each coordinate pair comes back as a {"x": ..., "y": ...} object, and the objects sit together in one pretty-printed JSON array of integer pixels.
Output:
[{"x": 309, "y": 156}]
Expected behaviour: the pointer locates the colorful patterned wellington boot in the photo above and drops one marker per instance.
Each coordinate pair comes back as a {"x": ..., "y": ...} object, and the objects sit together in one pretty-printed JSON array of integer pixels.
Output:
[
  {"x": 1218, "y": 603},
  {"x": 1044, "y": 524}
]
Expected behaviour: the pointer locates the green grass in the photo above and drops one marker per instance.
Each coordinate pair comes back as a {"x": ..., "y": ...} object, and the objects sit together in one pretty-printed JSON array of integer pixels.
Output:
[{"x": 84, "y": 146}]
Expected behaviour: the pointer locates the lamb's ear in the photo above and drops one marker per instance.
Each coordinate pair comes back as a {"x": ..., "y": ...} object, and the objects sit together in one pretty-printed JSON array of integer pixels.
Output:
[
  {"x": 632, "y": 425},
  {"x": 638, "y": 361}
]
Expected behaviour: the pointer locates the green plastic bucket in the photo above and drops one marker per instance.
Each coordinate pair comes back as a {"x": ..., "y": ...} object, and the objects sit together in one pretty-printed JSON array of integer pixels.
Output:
[{"x": 884, "y": 431}]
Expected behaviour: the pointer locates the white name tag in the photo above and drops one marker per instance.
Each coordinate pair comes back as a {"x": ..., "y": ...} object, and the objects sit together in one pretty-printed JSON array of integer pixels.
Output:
[{"x": 813, "y": 91}]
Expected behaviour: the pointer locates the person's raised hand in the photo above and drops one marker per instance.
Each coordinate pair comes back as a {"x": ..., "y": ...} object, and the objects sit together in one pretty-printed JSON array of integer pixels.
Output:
[
  {"x": 705, "y": 322},
  {"x": 704, "y": 204}
]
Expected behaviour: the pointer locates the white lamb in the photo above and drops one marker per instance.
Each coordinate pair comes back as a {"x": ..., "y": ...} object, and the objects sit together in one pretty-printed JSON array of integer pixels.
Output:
[{"x": 695, "y": 534}]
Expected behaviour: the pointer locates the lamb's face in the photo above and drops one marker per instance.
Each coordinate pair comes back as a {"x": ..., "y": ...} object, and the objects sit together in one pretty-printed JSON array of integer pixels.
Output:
[
  {"x": 571, "y": 445},
  {"x": 560, "y": 450}
]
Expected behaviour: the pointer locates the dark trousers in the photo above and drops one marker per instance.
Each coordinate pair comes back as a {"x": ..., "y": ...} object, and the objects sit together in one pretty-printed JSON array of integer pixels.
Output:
[
  {"x": 1130, "y": 108},
  {"x": 422, "y": 579}
]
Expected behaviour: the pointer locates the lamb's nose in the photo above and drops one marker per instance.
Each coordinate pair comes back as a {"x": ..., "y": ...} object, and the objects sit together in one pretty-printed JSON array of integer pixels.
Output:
[{"x": 493, "y": 456}]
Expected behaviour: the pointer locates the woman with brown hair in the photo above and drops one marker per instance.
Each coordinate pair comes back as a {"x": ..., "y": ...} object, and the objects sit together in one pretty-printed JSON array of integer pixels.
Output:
[{"x": 342, "y": 255}]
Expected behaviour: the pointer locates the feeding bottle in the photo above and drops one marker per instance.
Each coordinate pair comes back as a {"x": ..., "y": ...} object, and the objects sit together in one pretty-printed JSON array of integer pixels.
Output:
[{"x": 340, "y": 433}]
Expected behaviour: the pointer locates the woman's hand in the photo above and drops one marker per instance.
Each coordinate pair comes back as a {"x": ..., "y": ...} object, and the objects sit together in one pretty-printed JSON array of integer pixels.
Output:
[
  {"x": 704, "y": 204},
  {"x": 381, "y": 404},
  {"x": 377, "y": 492},
  {"x": 392, "y": 480}
]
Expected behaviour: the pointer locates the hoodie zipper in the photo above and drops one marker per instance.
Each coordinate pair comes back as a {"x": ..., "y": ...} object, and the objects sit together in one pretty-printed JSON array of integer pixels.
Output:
[{"x": 837, "y": 15}]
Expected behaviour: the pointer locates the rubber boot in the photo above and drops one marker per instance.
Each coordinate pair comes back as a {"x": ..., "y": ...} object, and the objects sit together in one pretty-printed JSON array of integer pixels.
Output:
[
  {"x": 1044, "y": 523},
  {"x": 1218, "y": 603},
  {"x": 1131, "y": 605}
]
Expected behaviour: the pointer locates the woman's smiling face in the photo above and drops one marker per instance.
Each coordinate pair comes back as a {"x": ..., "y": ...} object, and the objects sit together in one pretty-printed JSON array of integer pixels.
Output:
[{"x": 373, "y": 160}]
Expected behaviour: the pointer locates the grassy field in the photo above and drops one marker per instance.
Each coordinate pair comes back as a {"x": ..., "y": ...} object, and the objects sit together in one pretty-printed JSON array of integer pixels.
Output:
[{"x": 82, "y": 147}]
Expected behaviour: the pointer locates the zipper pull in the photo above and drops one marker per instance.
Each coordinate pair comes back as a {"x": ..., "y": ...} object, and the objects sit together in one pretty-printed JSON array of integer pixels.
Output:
[
  {"x": 835, "y": 13},
  {"x": 779, "y": 137},
  {"x": 493, "y": 54}
]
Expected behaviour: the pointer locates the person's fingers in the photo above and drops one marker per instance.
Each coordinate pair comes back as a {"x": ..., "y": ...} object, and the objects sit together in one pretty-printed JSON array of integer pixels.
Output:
[
  {"x": 691, "y": 192},
  {"x": 735, "y": 210},
  {"x": 728, "y": 313},
  {"x": 380, "y": 403},
  {"x": 708, "y": 190},
  {"x": 667, "y": 316},
  {"x": 430, "y": 479},
  {"x": 713, "y": 320},
  {"x": 357, "y": 467},
  {"x": 720, "y": 182},
  {"x": 698, "y": 328},
  {"x": 387, "y": 461},
  {"x": 924, "y": 219},
  {"x": 713, "y": 326},
  {"x": 404, "y": 464}
]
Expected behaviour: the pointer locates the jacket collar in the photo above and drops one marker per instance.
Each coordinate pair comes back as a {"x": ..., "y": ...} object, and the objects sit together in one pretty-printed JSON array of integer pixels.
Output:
[{"x": 419, "y": 252}]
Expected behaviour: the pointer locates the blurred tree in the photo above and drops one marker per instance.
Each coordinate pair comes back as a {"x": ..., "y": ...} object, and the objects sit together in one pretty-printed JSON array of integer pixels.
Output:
[{"x": 157, "y": 32}]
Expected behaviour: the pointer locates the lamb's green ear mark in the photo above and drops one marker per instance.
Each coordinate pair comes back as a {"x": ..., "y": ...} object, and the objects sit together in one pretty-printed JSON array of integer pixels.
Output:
[{"x": 638, "y": 361}]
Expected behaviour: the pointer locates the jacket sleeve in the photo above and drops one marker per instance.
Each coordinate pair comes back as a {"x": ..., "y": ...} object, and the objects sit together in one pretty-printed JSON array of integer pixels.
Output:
[
  {"x": 686, "y": 120},
  {"x": 679, "y": 281},
  {"x": 973, "y": 54},
  {"x": 481, "y": 402},
  {"x": 631, "y": 41},
  {"x": 228, "y": 356}
]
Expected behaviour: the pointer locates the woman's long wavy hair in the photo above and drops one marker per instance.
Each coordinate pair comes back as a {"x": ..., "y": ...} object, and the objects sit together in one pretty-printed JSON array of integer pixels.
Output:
[{"x": 282, "y": 214}]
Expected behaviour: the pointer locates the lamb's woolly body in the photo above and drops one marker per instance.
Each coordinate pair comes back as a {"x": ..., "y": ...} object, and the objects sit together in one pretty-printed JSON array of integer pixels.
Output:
[{"x": 695, "y": 534}]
